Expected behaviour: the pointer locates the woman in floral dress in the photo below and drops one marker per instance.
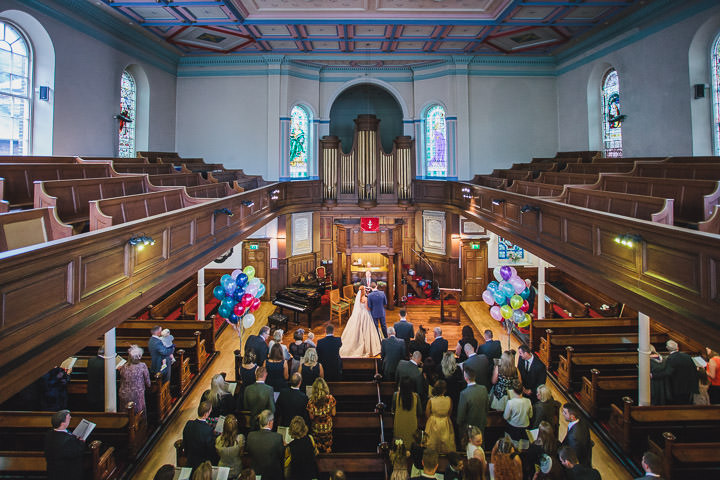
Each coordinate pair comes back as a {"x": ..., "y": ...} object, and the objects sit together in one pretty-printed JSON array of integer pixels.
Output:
[
  {"x": 134, "y": 379},
  {"x": 321, "y": 408}
]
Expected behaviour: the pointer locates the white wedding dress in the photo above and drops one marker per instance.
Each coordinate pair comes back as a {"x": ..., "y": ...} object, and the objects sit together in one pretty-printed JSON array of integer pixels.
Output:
[{"x": 360, "y": 338}]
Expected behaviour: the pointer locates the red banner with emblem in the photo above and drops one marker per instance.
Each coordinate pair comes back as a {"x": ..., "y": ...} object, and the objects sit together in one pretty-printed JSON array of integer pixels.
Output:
[{"x": 369, "y": 224}]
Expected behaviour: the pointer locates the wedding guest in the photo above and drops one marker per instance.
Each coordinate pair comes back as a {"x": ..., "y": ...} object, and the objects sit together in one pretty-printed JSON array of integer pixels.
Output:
[
  {"x": 473, "y": 404},
  {"x": 277, "y": 338},
  {"x": 406, "y": 406},
  {"x": 681, "y": 373},
  {"x": 467, "y": 337},
  {"x": 546, "y": 409},
  {"x": 258, "y": 397},
  {"x": 532, "y": 372},
  {"x": 321, "y": 409},
  {"x": 518, "y": 412},
  {"x": 504, "y": 376},
  {"x": 453, "y": 377},
  {"x": 454, "y": 469},
  {"x": 399, "y": 460},
  {"x": 292, "y": 402},
  {"x": 297, "y": 349},
  {"x": 134, "y": 379},
  {"x": 578, "y": 435},
  {"x": 198, "y": 438},
  {"x": 277, "y": 369},
  {"x": 328, "y": 351},
  {"x": 474, "y": 469},
  {"x": 713, "y": 373},
  {"x": 429, "y": 465},
  {"x": 203, "y": 472},
  {"x": 438, "y": 347},
  {"x": 478, "y": 364},
  {"x": 63, "y": 450},
  {"x": 404, "y": 329},
  {"x": 439, "y": 427},
  {"x": 259, "y": 344},
  {"x": 160, "y": 354},
  {"x": 310, "y": 368},
  {"x": 219, "y": 396},
  {"x": 411, "y": 369},
  {"x": 266, "y": 449},
  {"x": 545, "y": 445},
  {"x": 576, "y": 470},
  {"x": 506, "y": 461},
  {"x": 392, "y": 350},
  {"x": 491, "y": 348},
  {"x": 659, "y": 386},
  {"x": 474, "y": 447},
  {"x": 418, "y": 344},
  {"x": 311, "y": 340},
  {"x": 652, "y": 465},
  {"x": 303, "y": 465},
  {"x": 55, "y": 389},
  {"x": 229, "y": 446},
  {"x": 247, "y": 368},
  {"x": 96, "y": 381}
]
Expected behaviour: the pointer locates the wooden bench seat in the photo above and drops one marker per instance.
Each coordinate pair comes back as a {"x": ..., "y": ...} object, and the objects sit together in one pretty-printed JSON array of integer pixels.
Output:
[
  {"x": 114, "y": 160},
  {"x": 580, "y": 325},
  {"x": 489, "y": 181},
  {"x": 642, "y": 207},
  {"x": 31, "y": 227},
  {"x": 599, "y": 304},
  {"x": 573, "y": 366},
  {"x": 512, "y": 175},
  {"x": 536, "y": 189},
  {"x": 237, "y": 178},
  {"x": 361, "y": 396},
  {"x": 180, "y": 329},
  {"x": 565, "y": 302},
  {"x": 202, "y": 167},
  {"x": 595, "y": 168},
  {"x": 153, "y": 157},
  {"x": 600, "y": 391},
  {"x": 178, "y": 180},
  {"x": 97, "y": 464},
  {"x": 211, "y": 190},
  {"x": 536, "y": 167},
  {"x": 687, "y": 460},
  {"x": 564, "y": 178},
  {"x": 699, "y": 171},
  {"x": 150, "y": 169},
  {"x": 189, "y": 308},
  {"x": 37, "y": 159},
  {"x": 174, "y": 299},
  {"x": 627, "y": 159}
]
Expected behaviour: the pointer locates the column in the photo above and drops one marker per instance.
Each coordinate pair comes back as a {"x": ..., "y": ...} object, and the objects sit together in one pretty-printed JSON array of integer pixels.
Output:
[
  {"x": 276, "y": 106},
  {"x": 540, "y": 299},
  {"x": 643, "y": 359},
  {"x": 201, "y": 295},
  {"x": 110, "y": 372},
  {"x": 348, "y": 264},
  {"x": 391, "y": 282},
  {"x": 459, "y": 156}
]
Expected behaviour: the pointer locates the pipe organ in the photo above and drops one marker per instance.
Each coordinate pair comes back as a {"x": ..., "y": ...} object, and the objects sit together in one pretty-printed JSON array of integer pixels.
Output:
[{"x": 367, "y": 175}]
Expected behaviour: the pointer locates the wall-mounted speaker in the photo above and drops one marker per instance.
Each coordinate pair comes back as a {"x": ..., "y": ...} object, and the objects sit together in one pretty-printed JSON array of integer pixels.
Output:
[
  {"x": 699, "y": 90},
  {"x": 44, "y": 93}
]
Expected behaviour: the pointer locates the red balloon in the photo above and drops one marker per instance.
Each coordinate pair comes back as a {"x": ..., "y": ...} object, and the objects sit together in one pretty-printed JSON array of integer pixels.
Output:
[
  {"x": 255, "y": 304},
  {"x": 525, "y": 306},
  {"x": 246, "y": 300},
  {"x": 238, "y": 310}
]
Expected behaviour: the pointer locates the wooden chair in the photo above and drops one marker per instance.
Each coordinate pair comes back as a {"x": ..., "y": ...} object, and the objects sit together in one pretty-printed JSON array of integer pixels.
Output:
[
  {"x": 348, "y": 294},
  {"x": 320, "y": 272},
  {"x": 338, "y": 306}
]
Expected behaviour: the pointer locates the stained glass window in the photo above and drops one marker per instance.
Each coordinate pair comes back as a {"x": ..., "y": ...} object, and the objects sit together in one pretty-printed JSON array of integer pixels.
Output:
[
  {"x": 509, "y": 251},
  {"x": 435, "y": 142},
  {"x": 299, "y": 142},
  {"x": 128, "y": 103},
  {"x": 611, "y": 115},
  {"x": 15, "y": 88},
  {"x": 716, "y": 94}
]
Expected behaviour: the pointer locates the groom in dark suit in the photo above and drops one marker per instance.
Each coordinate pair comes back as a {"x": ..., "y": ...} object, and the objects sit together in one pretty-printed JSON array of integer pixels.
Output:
[{"x": 376, "y": 301}]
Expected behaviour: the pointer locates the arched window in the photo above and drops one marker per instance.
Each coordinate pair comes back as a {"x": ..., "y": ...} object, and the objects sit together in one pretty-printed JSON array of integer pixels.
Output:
[
  {"x": 436, "y": 163},
  {"x": 15, "y": 87},
  {"x": 716, "y": 94},
  {"x": 128, "y": 107},
  {"x": 299, "y": 142},
  {"x": 611, "y": 115}
]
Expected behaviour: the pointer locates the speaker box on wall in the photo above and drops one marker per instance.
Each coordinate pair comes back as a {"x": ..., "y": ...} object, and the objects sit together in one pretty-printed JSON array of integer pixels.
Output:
[{"x": 699, "y": 89}]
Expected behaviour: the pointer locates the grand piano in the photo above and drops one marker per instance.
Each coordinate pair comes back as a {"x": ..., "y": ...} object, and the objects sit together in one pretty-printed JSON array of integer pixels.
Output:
[{"x": 299, "y": 298}]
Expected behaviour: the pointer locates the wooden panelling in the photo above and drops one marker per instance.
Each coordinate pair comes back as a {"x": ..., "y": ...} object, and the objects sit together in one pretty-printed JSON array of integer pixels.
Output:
[
  {"x": 102, "y": 269},
  {"x": 300, "y": 265},
  {"x": 686, "y": 267}
]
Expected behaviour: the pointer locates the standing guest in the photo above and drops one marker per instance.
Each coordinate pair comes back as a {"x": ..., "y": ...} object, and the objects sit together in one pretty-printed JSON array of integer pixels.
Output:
[
  {"x": 531, "y": 296},
  {"x": 321, "y": 409},
  {"x": 504, "y": 376},
  {"x": 532, "y": 372},
  {"x": 518, "y": 412},
  {"x": 404, "y": 329},
  {"x": 310, "y": 368},
  {"x": 229, "y": 446},
  {"x": 399, "y": 460},
  {"x": 453, "y": 377},
  {"x": 134, "y": 379},
  {"x": 429, "y": 464},
  {"x": 328, "y": 350},
  {"x": 478, "y": 364},
  {"x": 439, "y": 427},
  {"x": 277, "y": 339},
  {"x": 574, "y": 469},
  {"x": 542, "y": 455},
  {"x": 96, "y": 381},
  {"x": 506, "y": 461},
  {"x": 277, "y": 369},
  {"x": 311, "y": 340},
  {"x": 474, "y": 469},
  {"x": 474, "y": 447},
  {"x": 406, "y": 408},
  {"x": 713, "y": 373},
  {"x": 417, "y": 448},
  {"x": 259, "y": 344},
  {"x": 303, "y": 465},
  {"x": 411, "y": 369},
  {"x": 266, "y": 449},
  {"x": 392, "y": 350},
  {"x": 199, "y": 439},
  {"x": 491, "y": 348},
  {"x": 430, "y": 374},
  {"x": 338, "y": 475},
  {"x": 297, "y": 349},
  {"x": 703, "y": 397},
  {"x": 247, "y": 368},
  {"x": 454, "y": 469},
  {"x": 652, "y": 465},
  {"x": 474, "y": 404},
  {"x": 467, "y": 337},
  {"x": 418, "y": 344},
  {"x": 166, "y": 472},
  {"x": 219, "y": 396},
  {"x": 160, "y": 354},
  {"x": 247, "y": 474},
  {"x": 55, "y": 389},
  {"x": 578, "y": 435},
  {"x": 681, "y": 374},
  {"x": 376, "y": 301},
  {"x": 438, "y": 347},
  {"x": 258, "y": 397},
  {"x": 292, "y": 402},
  {"x": 203, "y": 472},
  {"x": 546, "y": 409},
  {"x": 63, "y": 450},
  {"x": 659, "y": 385}
]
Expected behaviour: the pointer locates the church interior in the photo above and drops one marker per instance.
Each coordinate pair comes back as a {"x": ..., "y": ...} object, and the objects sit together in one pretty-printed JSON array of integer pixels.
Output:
[{"x": 545, "y": 171}]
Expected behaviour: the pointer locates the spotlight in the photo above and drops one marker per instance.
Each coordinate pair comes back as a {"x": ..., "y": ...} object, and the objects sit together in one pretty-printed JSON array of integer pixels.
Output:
[
  {"x": 628, "y": 240},
  {"x": 275, "y": 194},
  {"x": 498, "y": 201},
  {"x": 140, "y": 241},
  {"x": 225, "y": 211},
  {"x": 248, "y": 203},
  {"x": 530, "y": 208}
]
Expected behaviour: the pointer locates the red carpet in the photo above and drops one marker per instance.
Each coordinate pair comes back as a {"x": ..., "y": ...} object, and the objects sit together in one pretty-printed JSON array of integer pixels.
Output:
[{"x": 428, "y": 301}]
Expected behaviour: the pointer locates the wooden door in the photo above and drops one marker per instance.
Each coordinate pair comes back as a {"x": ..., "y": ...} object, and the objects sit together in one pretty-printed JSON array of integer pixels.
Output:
[
  {"x": 474, "y": 268},
  {"x": 256, "y": 252}
]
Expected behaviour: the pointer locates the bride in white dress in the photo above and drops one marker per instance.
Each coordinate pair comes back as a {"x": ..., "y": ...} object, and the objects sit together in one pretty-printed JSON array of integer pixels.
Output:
[{"x": 361, "y": 337}]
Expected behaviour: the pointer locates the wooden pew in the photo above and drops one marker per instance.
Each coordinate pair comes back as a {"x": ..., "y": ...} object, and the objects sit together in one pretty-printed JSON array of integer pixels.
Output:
[
  {"x": 687, "y": 460},
  {"x": 360, "y": 396},
  {"x": 152, "y": 157},
  {"x": 566, "y": 302},
  {"x": 32, "y": 464},
  {"x": 630, "y": 425},
  {"x": 115, "y": 160},
  {"x": 189, "y": 309},
  {"x": 628, "y": 159},
  {"x": 114, "y": 211},
  {"x": 595, "y": 168},
  {"x": 642, "y": 207},
  {"x": 150, "y": 169},
  {"x": 564, "y": 178},
  {"x": 174, "y": 300},
  {"x": 203, "y": 167},
  {"x": 592, "y": 298},
  {"x": 37, "y": 159},
  {"x": 512, "y": 175},
  {"x": 573, "y": 366},
  {"x": 698, "y": 159},
  {"x": 536, "y": 189},
  {"x": 700, "y": 171},
  {"x": 584, "y": 155},
  {"x": 489, "y": 181},
  {"x": 211, "y": 190},
  {"x": 536, "y": 167},
  {"x": 17, "y": 185},
  {"x": 712, "y": 224},
  {"x": 599, "y": 392},
  {"x": 200, "y": 332},
  {"x": 247, "y": 182},
  {"x": 30, "y": 227},
  {"x": 178, "y": 180},
  {"x": 538, "y": 327}
]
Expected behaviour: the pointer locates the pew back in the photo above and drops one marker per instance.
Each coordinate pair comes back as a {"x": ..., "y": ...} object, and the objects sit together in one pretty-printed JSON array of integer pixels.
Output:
[{"x": 30, "y": 227}]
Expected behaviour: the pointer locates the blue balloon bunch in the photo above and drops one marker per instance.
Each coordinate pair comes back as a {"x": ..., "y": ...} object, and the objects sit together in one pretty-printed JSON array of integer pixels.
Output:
[{"x": 239, "y": 294}]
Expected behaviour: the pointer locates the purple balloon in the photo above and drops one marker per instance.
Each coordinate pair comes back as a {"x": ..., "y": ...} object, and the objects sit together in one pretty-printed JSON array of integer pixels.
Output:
[
  {"x": 488, "y": 297},
  {"x": 518, "y": 283},
  {"x": 495, "y": 313},
  {"x": 505, "y": 272},
  {"x": 513, "y": 272}
]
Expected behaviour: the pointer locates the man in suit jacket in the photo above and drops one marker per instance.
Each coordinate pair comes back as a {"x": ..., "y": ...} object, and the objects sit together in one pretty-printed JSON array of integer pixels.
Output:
[
  {"x": 266, "y": 449},
  {"x": 438, "y": 347},
  {"x": 411, "y": 369},
  {"x": 652, "y": 464},
  {"x": 473, "y": 405},
  {"x": 578, "y": 435},
  {"x": 199, "y": 438},
  {"x": 376, "y": 301},
  {"x": 532, "y": 372},
  {"x": 429, "y": 464},
  {"x": 392, "y": 350},
  {"x": 491, "y": 348},
  {"x": 681, "y": 374},
  {"x": 328, "y": 350},
  {"x": 575, "y": 470},
  {"x": 96, "y": 381},
  {"x": 478, "y": 364},
  {"x": 158, "y": 353},
  {"x": 63, "y": 450},
  {"x": 292, "y": 402},
  {"x": 259, "y": 344},
  {"x": 258, "y": 397},
  {"x": 404, "y": 330}
]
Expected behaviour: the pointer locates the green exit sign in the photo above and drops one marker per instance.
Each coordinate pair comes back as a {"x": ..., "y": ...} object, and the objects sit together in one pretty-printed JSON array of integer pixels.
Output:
[
  {"x": 475, "y": 246},
  {"x": 254, "y": 246}
]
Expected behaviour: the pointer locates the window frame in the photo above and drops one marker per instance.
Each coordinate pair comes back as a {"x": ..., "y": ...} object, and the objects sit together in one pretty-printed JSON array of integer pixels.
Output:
[
  {"x": 426, "y": 137},
  {"x": 604, "y": 117},
  {"x": 134, "y": 119},
  {"x": 715, "y": 94},
  {"x": 308, "y": 142},
  {"x": 30, "y": 82}
]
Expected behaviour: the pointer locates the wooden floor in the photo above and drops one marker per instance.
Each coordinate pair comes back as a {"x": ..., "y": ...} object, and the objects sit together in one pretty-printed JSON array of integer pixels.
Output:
[{"x": 479, "y": 319}]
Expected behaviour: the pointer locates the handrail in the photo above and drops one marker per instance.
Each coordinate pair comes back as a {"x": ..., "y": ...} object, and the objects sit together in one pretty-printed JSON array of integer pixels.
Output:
[{"x": 380, "y": 409}]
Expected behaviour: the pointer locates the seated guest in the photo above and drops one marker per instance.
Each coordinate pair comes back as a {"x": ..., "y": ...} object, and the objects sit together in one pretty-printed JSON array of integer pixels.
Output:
[
  {"x": 652, "y": 465},
  {"x": 454, "y": 468},
  {"x": 504, "y": 376},
  {"x": 266, "y": 449},
  {"x": 532, "y": 372},
  {"x": 277, "y": 369},
  {"x": 219, "y": 396},
  {"x": 328, "y": 350},
  {"x": 277, "y": 338},
  {"x": 404, "y": 329},
  {"x": 467, "y": 337},
  {"x": 506, "y": 460},
  {"x": 411, "y": 369},
  {"x": 292, "y": 402},
  {"x": 546, "y": 409},
  {"x": 406, "y": 409},
  {"x": 418, "y": 344},
  {"x": 453, "y": 377},
  {"x": 392, "y": 350},
  {"x": 303, "y": 465},
  {"x": 258, "y": 397},
  {"x": 199, "y": 439},
  {"x": 574, "y": 469},
  {"x": 518, "y": 412},
  {"x": 399, "y": 455},
  {"x": 96, "y": 381},
  {"x": 203, "y": 472},
  {"x": 63, "y": 450},
  {"x": 229, "y": 446},
  {"x": 259, "y": 344},
  {"x": 310, "y": 368},
  {"x": 429, "y": 464},
  {"x": 479, "y": 364},
  {"x": 297, "y": 349},
  {"x": 160, "y": 354},
  {"x": 134, "y": 379},
  {"x": 578, "y": 435},
  {"x": 55, "y": 389},
  {"x": 681, "y": 372},
  {"x": 166, "y": 472},
  {"x": 491, "y": 348},
  {"x": 321, "y": 409},
  {"x": 438, "y": 347},
  {"x": 247, "y": 368}
]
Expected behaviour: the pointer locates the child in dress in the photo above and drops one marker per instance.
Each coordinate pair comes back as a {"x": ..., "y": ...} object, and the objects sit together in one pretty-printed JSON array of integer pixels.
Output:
[
  {"x": 167, "y": 341},
  {"x": 399, "y": 460},
  {"x": 702, "y": 397}
]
